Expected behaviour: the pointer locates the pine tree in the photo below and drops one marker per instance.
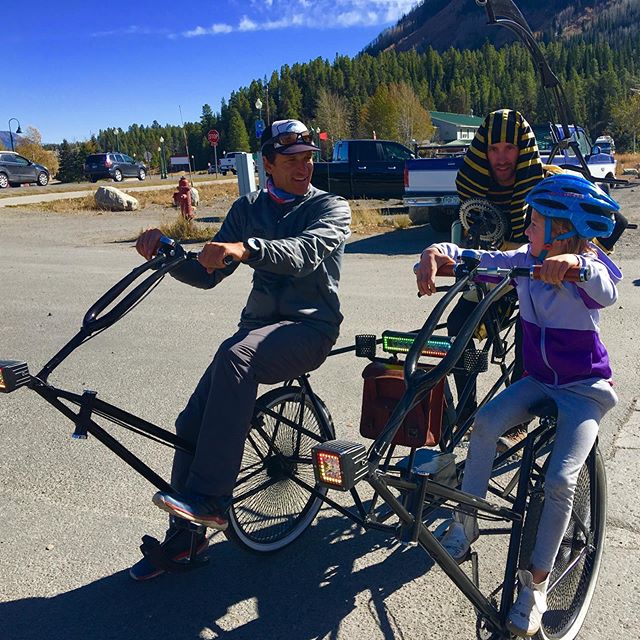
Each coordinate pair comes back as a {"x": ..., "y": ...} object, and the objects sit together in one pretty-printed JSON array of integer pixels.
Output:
[
  {"x": 237, "y": 138},
  {"x": 66, "y": 170}
]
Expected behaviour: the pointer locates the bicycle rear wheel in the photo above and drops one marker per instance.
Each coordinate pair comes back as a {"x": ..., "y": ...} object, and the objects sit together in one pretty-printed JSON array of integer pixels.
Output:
[
  {"x": 270, "y": 507},
  {"x": 575, "y": 571}
]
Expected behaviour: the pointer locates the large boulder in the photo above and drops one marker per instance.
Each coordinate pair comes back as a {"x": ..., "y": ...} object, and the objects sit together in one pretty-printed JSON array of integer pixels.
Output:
[{"x": 113, "y": 199}]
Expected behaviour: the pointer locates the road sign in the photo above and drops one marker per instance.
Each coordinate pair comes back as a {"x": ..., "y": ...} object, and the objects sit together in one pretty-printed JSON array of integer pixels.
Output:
[
  {"x": 213, "y": 136},
  {"x": 259, "y": 128},
  {"x": 147, "y": 156}
]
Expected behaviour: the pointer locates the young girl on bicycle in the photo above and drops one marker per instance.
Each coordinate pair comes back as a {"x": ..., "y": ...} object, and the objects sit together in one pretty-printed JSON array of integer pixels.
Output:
[{"x": 564, "y": 358}]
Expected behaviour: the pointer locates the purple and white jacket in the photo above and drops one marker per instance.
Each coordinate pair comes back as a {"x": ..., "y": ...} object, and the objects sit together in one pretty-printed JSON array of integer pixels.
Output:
[{"x": 561, "y": 334}]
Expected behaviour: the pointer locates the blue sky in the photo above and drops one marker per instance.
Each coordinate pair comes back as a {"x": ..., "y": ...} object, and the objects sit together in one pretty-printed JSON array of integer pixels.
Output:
[{"x": 74, "y": 67}]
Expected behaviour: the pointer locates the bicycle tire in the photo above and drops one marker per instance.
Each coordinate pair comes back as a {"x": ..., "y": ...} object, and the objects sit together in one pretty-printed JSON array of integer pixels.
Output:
[
  {"x": 569, "y": 599},
  {"x": 270, "y": 510}
]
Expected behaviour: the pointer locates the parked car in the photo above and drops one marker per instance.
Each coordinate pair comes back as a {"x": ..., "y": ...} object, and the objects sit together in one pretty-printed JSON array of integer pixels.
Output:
[
  {"x": 116, "y": 166},
  {"x": 16, "y": 170}
]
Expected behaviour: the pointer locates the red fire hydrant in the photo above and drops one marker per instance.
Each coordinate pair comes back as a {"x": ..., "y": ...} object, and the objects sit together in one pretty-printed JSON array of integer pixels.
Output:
[{"x": 182, "y": 199}]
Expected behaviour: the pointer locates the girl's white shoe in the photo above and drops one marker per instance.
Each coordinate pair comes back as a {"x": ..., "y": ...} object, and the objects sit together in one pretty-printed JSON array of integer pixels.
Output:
[
  {"x": 525, "y": 616},
  {"x": 461, "y": 534}
]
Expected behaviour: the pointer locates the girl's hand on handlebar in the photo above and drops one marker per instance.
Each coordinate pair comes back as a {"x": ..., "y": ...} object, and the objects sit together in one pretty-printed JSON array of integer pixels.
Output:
[
  {"x": 553, "y": 269},
  {"x": 430, "y": 260},
  {"x": 148, "y": 242},
  {"x": 218, "y": 255}
]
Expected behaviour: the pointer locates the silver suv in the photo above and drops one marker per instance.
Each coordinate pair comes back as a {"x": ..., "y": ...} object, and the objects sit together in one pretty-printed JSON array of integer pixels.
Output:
[{"x": 16, "y": 170}]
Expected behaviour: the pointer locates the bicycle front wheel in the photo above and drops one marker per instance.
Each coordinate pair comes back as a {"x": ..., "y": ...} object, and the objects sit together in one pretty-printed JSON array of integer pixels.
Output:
[
  {"x": 272, "y": 504},
  {"x": 575, "y": 571}
]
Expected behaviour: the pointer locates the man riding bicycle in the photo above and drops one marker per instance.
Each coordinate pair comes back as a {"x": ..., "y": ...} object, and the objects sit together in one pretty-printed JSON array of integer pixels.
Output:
[{"x": 292, "y": 235}]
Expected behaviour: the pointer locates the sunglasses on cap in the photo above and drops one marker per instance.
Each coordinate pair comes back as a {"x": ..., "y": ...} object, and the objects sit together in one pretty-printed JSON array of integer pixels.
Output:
[{"x": 289, "y": 138}]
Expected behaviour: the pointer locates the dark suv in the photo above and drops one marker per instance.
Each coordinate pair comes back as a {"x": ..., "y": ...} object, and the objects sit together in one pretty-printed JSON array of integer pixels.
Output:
[
  {"x": 16, "y": 170},
  {"x": 113, "y": 165}
]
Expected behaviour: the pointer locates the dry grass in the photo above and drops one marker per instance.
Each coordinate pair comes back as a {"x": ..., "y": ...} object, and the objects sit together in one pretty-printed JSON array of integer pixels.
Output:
[
  {"x": 161, "y": 197},
  {"x": 367, "y": 217},
  {"x": 188, "y": 230},
  {"x": 87, "y": 203},
  {"x": 628, "y": 161}
]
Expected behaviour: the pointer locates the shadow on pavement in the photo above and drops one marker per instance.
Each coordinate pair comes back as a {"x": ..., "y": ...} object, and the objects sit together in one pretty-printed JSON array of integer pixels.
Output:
[
  {"x": 397, "y": 242},
  {"x": 303, "y": 592}
]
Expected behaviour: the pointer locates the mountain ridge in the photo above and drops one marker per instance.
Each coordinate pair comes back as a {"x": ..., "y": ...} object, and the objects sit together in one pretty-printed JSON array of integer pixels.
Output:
[{"x": 461, "y": 24}]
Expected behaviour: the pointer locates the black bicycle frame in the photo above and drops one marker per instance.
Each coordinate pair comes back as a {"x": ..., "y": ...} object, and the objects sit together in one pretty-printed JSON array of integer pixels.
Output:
[{"x": 97, "y": 319}]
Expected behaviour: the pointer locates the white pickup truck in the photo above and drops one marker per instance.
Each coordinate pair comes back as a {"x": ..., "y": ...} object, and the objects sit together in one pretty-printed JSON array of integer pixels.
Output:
[
  {"x": 430, "y": 183},
  {"x": 228, "y": 163}
]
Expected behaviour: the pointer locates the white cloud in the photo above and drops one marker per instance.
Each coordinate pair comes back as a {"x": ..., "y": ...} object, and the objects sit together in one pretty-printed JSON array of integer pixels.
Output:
[
  {"x": 131, "y": 30},
  {"x": 311, "y": 14}
]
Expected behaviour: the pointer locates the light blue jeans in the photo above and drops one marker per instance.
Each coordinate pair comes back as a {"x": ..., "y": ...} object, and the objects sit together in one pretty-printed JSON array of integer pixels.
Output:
[{"x": 581, "y": 406}]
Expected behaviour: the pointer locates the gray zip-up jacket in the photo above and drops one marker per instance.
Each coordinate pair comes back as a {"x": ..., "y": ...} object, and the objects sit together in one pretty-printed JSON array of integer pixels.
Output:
[{"x": 297, "y": 255}]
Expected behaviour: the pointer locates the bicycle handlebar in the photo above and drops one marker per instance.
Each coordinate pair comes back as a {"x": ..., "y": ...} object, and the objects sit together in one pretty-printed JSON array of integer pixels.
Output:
[
  {"x": 573, "y": 274},
  {"x": 168, "y": 256}
]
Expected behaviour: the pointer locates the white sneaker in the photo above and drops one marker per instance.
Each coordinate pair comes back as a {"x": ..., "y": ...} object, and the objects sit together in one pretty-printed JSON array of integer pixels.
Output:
[
  {"x": 461, "y": 534},
  {"x": 525, "y": 616}
]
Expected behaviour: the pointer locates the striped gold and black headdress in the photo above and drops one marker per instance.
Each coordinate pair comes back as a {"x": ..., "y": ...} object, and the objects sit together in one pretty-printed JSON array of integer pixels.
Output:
[{"x": 474, "y": 178}]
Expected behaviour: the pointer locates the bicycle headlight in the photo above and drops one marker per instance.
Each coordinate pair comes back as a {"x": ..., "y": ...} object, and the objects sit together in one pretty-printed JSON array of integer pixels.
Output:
[
  {"x": 13, "y": 374},
  {"x": 339, "y": 464}
]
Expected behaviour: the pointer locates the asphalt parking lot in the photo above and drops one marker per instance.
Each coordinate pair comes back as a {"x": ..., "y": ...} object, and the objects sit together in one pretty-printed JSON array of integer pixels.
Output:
[{"x": 73, "y": 514}]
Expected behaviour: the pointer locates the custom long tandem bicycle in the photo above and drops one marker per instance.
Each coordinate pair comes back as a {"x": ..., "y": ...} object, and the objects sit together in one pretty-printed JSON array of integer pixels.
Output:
[{"x": 292, "y": 459}]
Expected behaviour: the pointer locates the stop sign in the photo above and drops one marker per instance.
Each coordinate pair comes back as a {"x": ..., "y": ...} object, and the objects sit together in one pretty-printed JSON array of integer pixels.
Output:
[{"x": 213, "y": 136}]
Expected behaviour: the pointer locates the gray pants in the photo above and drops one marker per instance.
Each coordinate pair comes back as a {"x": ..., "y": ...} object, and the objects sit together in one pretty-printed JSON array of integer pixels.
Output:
[
  {"x": 217, "y": 417},
  {"x": 581, "y": 406}
]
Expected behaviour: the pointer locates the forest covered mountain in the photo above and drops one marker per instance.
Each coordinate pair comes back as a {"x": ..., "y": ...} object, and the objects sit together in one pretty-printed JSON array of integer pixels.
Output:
[
  {"x": 443, "y": 57},
  {"x": 441, "y": 24}
]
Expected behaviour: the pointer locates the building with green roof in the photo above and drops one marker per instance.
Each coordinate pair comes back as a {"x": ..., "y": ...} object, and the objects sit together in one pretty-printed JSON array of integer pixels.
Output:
[{"x": 458, "y": 127}]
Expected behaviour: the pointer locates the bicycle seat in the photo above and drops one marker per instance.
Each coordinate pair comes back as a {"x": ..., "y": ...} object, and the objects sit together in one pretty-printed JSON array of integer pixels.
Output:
[{"x": 544, "y": 408}]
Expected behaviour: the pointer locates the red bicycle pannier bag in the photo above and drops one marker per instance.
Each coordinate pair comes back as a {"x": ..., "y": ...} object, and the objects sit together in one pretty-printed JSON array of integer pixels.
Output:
[{"x": 383, "y": 387}]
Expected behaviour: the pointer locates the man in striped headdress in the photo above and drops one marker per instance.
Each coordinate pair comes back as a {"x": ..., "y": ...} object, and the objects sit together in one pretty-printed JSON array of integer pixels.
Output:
[{"x": 502, "y": 165}]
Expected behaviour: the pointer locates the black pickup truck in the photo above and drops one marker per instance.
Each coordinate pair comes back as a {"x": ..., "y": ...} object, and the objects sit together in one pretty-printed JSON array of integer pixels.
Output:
[{"x": 364, "y": 169}]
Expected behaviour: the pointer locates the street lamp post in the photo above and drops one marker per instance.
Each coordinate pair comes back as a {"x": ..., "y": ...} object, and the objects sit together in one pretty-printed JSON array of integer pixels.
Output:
[
  {"x": 259, "y": 107},
  {"x": 18, "y": 130},
  {"x": 163, "y": 161},
  {"x": 117, "y": 132}
]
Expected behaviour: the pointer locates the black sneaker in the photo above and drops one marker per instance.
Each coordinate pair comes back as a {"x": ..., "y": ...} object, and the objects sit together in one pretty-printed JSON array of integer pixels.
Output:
[
  {"x": 209, "y": 511},
  {"x": 177, "y": 544}
]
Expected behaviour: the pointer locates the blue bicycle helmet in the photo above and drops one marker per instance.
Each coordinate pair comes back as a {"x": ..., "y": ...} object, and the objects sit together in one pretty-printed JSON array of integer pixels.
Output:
[{"x": 589, "y": 209}]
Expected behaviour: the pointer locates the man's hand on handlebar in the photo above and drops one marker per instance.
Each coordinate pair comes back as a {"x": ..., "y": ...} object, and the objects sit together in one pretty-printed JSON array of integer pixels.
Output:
[
  {"x": 430, "y": 260},
  {"x": 553, "y": 269},
  {"x": 218, "y": 255},
  {"x": 148, "y": 242}
]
